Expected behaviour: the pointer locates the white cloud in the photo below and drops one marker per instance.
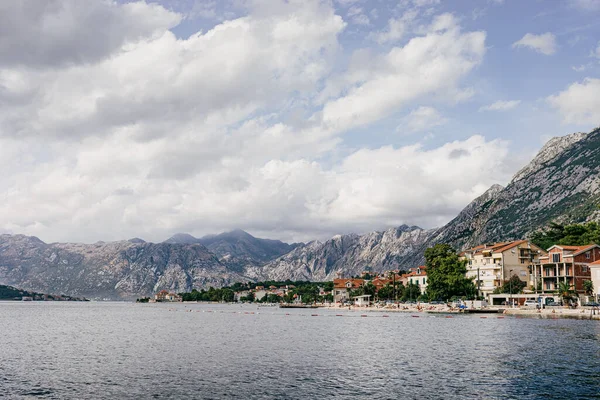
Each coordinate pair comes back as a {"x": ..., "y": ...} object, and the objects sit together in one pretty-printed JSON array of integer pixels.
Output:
[
  {"x": 421, "y": 119},
  {"x": 105, "y": 191},
  {"x": 544, "y": 43},
  {"x": 357, "y": 16},
  {"x": 586, "y": 5},
  {"x": 425, "y": 3},
  {"x": 70, "y": 32},
  {"x": 429, "y": 64},
  {"x": 580, "y": 103},
  {"x": 501, "y": 105},
  {"x": 155, "y": 134},
  {"x": 396, "y": 28}
]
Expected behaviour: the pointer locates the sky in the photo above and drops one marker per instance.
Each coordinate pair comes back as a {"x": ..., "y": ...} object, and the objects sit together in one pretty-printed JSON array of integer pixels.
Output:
[{"x": 293, "y": 120}]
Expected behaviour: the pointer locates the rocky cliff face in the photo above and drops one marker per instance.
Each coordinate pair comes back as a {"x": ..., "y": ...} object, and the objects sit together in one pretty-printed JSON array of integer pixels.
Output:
[
  {"x": 124, "y": 269},
  {"x": 347, "y": 255},
  {"x": 562, "y": 183}
]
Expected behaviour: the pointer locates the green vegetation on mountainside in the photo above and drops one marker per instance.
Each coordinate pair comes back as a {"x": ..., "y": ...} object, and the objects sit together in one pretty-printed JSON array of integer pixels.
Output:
[{"x": 568, "y": 235}]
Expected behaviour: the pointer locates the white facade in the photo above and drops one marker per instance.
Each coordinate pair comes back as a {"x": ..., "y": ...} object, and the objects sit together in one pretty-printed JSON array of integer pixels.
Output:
[
  {"x": 595, "y": 271},
  {"x": 490, "y": 265}
]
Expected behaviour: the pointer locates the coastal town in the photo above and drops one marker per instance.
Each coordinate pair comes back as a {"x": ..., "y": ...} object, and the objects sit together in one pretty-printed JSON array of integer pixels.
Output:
[{"x": 504, "y": 277}]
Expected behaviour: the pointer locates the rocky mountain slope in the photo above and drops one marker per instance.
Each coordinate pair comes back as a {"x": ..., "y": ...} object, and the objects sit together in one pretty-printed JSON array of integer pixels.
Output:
[
  {"x": 347, "y": 255},
  {"x": 124, "y": 269},
  {"x": 562, "y": 183},
  {"x": 238, "y": 250}
]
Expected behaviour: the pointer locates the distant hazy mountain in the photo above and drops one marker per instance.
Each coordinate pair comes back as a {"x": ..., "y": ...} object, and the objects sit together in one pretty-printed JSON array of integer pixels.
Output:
[
  {"x": 238, "y": 249},
  {"x": 122, "y": 269},
  {"x": 562, "y": 183}
]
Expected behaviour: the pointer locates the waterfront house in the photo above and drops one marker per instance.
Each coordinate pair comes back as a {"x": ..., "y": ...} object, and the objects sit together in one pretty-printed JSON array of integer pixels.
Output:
[
  {"x": 416, "y": 276},
  {"x": 569, "y": 264},
  {"x": 165, "y": 295},
  {"x": 489, "y": 265},
  {"x": 342, "y": 288}
]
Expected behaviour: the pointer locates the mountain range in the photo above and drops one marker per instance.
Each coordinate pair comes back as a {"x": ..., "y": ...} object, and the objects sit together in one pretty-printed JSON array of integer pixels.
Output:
[{"x": 561, "y": 184}]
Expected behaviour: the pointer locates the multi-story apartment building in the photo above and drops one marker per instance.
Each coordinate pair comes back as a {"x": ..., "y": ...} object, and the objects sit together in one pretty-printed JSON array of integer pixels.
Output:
[
  {"x": 489, "y": 265},
  {"x": 569, "y": 264}
]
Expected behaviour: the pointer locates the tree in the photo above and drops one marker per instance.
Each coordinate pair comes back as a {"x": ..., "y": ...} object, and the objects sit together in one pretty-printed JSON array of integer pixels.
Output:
[
  {"x": 569, "y": 235},
  {"x": 446, "y": 274},
  {"x": 386, "y": 292},
  {"x": 588, "y": 286},
  {"x": 513, "y": 285},
  {"x": 565, "y": 291},
  {"x": 369, "y": 288},
  {"x": 249, "y": 298},
  {"x": 412, "y": 292},
  {"x": 227, "y": 295}
]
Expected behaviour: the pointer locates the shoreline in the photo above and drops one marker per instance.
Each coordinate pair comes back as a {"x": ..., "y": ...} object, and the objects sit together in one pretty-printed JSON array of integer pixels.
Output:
[{"x": 553, "y": 313}]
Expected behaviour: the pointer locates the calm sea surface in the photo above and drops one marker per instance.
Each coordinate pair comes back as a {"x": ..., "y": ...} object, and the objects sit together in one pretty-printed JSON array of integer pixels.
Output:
[{"x": 194, "y": 351}]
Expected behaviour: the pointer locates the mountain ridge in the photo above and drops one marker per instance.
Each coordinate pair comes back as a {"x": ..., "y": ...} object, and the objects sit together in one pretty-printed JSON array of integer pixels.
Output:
[{"x": 561, "y": 183}]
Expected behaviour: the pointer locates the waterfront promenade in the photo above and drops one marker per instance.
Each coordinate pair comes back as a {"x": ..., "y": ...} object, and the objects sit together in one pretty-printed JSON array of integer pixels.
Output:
[{"x": 547, "y": 313}]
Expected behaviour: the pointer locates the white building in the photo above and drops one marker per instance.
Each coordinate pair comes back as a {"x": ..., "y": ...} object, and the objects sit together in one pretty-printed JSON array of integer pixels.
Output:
[{"x": 489, "y": 265}]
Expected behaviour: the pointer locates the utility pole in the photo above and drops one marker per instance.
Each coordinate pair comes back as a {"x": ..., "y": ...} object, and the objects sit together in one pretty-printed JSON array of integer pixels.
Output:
[
  {"x": 510, "y": 288},
  {"x": 478, "y": 285}
]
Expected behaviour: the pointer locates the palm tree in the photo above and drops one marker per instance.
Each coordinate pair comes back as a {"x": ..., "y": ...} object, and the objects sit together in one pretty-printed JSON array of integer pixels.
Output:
[
  {"x": 565, "y": 291},
  {"x": 588, "y": 286}
]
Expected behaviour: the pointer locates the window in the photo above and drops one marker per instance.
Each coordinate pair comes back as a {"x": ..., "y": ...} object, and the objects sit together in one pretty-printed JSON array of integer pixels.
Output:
[
  {"x": 584, "y": 268},
  {"x": 423, "y": 281},
  {"x": 547, "y": 271},
  {"x": 556, "y": 257},
  {"x": 522, "y": 261},
  {"x": 587, "y": 255},
  {"x": 548, "y": 285}
]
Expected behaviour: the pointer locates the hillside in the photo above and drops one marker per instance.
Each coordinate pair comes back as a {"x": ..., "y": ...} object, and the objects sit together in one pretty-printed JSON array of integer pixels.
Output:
[
  {"x": 121, "y": 269},
  {"x": 12, "y": 293},
  {"x": 350, "y": 255},
  {"x": 238, "y": 250},
  {"x": 562, "y": 183}
]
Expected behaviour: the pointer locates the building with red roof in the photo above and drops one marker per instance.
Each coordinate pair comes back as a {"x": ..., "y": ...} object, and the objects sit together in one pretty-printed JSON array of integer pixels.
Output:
[
  {"x": 343, "y": 286},
  {"x": 489, "y": 265},
  {"x": 567, "y": 264}
]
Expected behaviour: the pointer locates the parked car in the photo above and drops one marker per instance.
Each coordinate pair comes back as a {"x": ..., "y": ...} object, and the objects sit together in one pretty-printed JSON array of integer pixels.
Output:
[
  {"x": 530, "y": 303},
  {"x": 592, "y": 304}
]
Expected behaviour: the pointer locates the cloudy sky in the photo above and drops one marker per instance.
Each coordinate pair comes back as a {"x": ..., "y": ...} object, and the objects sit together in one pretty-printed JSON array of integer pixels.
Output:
[{"x": 290, "y": 119}]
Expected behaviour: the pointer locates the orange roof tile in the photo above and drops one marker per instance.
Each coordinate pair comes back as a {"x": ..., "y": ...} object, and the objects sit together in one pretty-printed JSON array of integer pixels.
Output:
[{"x": 510, "y": 246}]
